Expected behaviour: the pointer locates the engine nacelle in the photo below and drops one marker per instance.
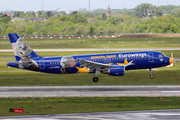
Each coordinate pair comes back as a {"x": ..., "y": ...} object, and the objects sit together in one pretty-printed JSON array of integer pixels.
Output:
[{"x": 115, "y": 71}]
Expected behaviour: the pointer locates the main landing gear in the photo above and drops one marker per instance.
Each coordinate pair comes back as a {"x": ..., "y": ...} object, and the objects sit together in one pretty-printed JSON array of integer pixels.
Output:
[
  {"x": 151, "y": 75},
  {"x": 95, "y": 79}
]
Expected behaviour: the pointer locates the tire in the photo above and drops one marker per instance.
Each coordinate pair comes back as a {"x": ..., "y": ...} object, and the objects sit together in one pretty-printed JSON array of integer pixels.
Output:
[
  {"x": 151, "y": 76},
  {"x": 95, "y": 79}
]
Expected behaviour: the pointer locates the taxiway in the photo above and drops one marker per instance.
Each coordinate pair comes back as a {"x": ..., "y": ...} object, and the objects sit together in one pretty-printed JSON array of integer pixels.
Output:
[{"x": 171, "y": 114}]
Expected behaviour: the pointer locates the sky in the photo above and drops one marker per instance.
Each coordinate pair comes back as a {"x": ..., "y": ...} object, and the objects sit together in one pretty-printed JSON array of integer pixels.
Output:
[{"x": 36, "y": 5}]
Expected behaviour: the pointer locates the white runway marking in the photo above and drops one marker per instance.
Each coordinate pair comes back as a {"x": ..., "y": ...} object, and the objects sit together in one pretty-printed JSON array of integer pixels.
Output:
[
  {"x": 170, "y": 91},
  {"x": 89, "y": 91}
]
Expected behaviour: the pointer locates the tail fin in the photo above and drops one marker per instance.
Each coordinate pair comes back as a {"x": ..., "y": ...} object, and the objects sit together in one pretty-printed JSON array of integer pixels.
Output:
[{"x": 21, "y": 49}]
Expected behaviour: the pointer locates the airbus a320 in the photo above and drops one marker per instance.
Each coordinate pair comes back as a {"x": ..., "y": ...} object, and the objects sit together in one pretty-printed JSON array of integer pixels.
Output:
[{"x": 113, "y": 64}]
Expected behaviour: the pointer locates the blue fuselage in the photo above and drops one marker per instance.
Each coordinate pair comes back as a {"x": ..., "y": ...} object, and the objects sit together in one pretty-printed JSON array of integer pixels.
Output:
[{"x": 141, "y": 60}]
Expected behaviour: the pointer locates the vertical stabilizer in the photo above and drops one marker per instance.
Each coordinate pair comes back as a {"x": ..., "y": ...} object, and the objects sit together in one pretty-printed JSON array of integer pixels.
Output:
[{"x": 21, "y": 49}]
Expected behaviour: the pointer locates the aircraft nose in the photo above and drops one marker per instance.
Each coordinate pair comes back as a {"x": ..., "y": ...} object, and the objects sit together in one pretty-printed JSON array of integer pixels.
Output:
[{"x": 171, "y": 60}]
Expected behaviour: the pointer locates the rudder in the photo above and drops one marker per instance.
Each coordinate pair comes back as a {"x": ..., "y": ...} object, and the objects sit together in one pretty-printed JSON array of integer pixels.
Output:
[{"x": 21, "y": 49}]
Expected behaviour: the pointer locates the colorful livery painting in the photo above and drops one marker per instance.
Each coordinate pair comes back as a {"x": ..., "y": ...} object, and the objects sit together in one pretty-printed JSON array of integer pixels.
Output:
[{"x": 113, "y": 64}]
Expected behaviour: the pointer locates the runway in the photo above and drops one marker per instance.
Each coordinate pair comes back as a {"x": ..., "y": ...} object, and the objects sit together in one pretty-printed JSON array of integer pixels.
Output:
[
  {"x": 118, "y": 49},
  {"x": 89, "y": 91},
  {"x": 172, "y": 114}
]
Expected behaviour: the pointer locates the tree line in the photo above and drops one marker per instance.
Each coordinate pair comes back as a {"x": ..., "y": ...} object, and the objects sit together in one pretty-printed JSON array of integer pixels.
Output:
[{"x": 144, "y": 18}]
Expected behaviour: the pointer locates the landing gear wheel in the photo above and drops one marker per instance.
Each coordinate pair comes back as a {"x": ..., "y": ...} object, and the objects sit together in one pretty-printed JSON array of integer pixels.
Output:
[
  {"x": 151, "y": 76},
  {"x": 95, "y": 79}
]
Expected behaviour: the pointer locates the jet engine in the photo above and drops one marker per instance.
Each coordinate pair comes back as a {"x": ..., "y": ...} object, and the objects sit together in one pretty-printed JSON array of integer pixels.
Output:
[{"x": 115, "y": 71}]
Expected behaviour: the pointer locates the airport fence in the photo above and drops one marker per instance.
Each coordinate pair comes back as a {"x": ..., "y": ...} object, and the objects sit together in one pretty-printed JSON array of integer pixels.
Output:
[{"x": 55, "y": 36}]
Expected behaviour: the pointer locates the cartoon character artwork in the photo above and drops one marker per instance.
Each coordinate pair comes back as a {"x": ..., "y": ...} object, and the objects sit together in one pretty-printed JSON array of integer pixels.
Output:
[
  {"x": 22, "y": 50},
  {"x": 67, "y": 62}
]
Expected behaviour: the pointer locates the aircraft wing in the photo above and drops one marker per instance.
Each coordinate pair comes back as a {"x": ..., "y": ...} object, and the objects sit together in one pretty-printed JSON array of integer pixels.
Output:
[{"x": 91, "y": 64}]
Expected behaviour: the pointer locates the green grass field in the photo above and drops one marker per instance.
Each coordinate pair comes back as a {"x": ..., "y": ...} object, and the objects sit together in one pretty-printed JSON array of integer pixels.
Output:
[
  {"x": 17, "y": 77},
  {"x": 104, "y": 43},
  {"x": 35, "y": 106},
  {"x": 32, "y": 106}
]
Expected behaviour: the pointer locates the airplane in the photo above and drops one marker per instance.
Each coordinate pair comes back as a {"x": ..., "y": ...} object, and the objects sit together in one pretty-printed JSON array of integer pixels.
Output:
[{"x": 113, "y": 64}]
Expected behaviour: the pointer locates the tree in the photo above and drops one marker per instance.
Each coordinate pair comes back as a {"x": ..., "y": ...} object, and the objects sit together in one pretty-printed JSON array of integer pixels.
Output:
[
  {"x": 167, "y": 9},
  {"x": 159, "y": 13},
  {"x": 70, "y": 19},
  {"x": 48, "y": 13},
  {"x": 98, "y": 11},
  {"x": 52, "y": 14},
  {"x": 143, "y": 9},
  {"x": 177, "y": 14},
  {"x": 10, "y": 30},
  {"x": 91, "y": 30},
  {"x": 143, "y": 28},
  {"x": 89, "y": 14},
  {"x": 5, "y": 19},
  {"x": 113, "y": 20},
  {"x": 29, "y": 30},
  {"x": 63, "y": 18},
  {"x": 79, "y": 18},
  {"x": 175, "y": 10},
  {"x": 130, "y": 13},
  {"x": 104, "y": 17},
  {"x": 152, "y": 11},
  {"x": 174, "y": 28},
  {"x": 33, "y": 14},
  {"x": 39, "y": 13},
  {"x": 22, "y": 14},
  {"x": 16, "y": 14},
  {"x": 44, "y": 16},
  {"x": 98, "y": 17}
]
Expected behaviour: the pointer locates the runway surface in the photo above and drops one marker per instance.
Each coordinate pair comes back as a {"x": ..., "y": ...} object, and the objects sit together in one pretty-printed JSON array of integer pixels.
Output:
[
  {"x": 172, "y": 114},
  {"x": 88, "y": 91},
  {"x": 121, "y": 49}
]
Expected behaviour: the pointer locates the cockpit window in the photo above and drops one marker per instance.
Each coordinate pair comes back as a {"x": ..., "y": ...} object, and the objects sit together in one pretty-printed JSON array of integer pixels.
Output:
[{"x": 161, "y": 55}]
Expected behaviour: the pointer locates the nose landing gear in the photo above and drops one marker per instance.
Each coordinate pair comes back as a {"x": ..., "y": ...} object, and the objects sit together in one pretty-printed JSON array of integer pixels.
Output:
[{"x": 151, "y": 75}]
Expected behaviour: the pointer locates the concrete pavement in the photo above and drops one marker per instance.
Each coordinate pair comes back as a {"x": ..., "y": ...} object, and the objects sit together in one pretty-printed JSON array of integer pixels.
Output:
[
  {"x": 89, "y": 91},
  {"x": 171, "y": 114}
]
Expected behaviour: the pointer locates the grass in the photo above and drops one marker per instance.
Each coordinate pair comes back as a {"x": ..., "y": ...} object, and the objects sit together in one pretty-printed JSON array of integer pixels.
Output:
[
  {"x": 35, "y": 106},
  {"x": 104, "y": 43},
  {"x": 176, "y": 53},
  {"x": 17, "y": 77}
]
